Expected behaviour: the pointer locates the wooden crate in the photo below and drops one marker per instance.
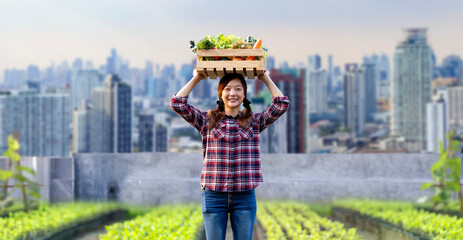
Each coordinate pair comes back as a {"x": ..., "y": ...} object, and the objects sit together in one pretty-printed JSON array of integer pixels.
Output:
[{"x": 217, "y": 68}]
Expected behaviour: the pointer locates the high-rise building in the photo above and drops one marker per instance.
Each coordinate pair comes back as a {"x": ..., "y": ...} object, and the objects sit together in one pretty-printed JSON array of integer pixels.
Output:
[
  {"x": 452, "y": 67},
  {"x": 149, "y": 69},
  {"x": 111, "y": 117},
  {"x": 315, "y": 62},
  {"x": 318, "y": 96},
  {"x": 111, "y": 63},
  {"x": 153, "y": 135},
  {"x": 42, "y": 119},
  {"x": 436, "y": 124},
  {"x": 329, "y": 78},
  {"x": 78, "y": 64},
  {"x": 354, "y": 99},
  {"x": 455, "y": 107},
  {"x": 33, "y": 73},
  {"x": 293, "y": 83},
  {"x": 14, "y": 79},
  {"x": 81, "y": 128},
  {"x": 82, "y": 84},
  {"x": 370, "y": 91},
  {"x": 270, "y": 62},
  {"x": 411, "y": 88}
]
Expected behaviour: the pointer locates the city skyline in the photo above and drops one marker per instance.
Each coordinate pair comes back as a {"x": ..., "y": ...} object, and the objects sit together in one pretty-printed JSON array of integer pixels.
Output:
[{"x": 40, "y": 33}]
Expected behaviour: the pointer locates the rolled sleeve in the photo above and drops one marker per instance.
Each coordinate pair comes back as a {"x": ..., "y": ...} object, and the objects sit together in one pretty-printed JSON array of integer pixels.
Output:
[
  {"x": 271, "y": 114},
  {"x": 192, "y": 115}
]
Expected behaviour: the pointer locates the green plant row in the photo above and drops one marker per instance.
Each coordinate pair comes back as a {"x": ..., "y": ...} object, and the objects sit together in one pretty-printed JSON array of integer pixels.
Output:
[
  {"x": 295, "y": 220},
  {"x": 163, "y": 222},
  {"x": 48, "y": 219},
  {"x": 406, "y": 216}
]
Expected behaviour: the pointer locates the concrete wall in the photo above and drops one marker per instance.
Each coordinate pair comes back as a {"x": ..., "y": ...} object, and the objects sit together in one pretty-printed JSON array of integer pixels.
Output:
[
  {"x": 55, "y": 174},
  {"x": 154, "y": 178}
]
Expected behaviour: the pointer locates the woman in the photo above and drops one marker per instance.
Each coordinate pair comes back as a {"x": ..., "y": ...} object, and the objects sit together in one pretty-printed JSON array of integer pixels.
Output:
[{"x": 231, "y": 156}]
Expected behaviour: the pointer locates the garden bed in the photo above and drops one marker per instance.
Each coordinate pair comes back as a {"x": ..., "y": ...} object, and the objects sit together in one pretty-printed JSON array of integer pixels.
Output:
[
  {"x": 78, "y": 228},
  {"x": 372, "y": 228}
]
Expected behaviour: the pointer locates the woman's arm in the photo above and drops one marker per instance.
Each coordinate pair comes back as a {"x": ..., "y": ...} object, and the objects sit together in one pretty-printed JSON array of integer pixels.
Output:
[
  {"x": 270, "y": 84},
  {"x": 185, "y": 91}
]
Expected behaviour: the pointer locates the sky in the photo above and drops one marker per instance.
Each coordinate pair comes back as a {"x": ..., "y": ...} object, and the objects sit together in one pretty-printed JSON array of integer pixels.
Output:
[{"x": 44, "y": 32}]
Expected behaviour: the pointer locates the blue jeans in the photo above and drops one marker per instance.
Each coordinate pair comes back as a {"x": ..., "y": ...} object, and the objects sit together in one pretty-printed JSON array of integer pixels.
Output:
[{"x": 217, "y": 205}]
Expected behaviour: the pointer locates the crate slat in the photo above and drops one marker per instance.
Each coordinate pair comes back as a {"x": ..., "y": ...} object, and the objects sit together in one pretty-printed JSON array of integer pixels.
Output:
[
  {"x": 211, "y": 73},
  {"x": 218, "y": 68}
]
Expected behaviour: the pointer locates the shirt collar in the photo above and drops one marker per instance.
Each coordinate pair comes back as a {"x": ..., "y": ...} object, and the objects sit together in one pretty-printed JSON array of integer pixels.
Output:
[{"x": 230, "y": 116}]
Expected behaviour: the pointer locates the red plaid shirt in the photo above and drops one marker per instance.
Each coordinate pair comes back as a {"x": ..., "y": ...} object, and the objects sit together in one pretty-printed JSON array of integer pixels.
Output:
[{"x": 231, "y": 154}]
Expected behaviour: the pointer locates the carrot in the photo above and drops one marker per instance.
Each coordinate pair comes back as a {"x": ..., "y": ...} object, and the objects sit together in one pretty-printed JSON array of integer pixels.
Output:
[{"x": 256, "y": 46}]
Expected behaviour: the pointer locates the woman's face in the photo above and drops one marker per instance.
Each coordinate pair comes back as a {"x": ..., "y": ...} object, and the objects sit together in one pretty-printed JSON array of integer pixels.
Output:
[{"x": 233, "y": 94}]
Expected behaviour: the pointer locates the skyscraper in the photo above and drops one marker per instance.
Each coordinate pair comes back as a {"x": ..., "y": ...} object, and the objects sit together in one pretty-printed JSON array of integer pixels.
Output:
[
  {"x": 111, "y": 117},
  {"x": 329, "y": 78},
  {"x": 455, "y": 108},
  {"x": 42, "y": 119},
  {"x": 82, "y": 84},
  {"x": 270, "y": 62},
  {"x": 370, "y": 91},
  {"x": 81, "y": 128},
  {"x": 153, "y": 135},
  {"x": 452, "y": 66},
  {"x": 354, "y": 99},
  {"x": 411, "y": 88},
  {"x": 318, "y": 96},
  {"x": 315, "y": 62},
  {"x": 436, "y": 124}
]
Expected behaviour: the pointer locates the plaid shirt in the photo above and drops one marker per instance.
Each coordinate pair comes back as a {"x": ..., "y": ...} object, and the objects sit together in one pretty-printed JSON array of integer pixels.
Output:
[{"x": 231, "y": 154}]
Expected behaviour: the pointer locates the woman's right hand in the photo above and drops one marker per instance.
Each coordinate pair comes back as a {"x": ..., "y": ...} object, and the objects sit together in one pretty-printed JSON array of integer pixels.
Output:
[{"x": 198, "y": 76}]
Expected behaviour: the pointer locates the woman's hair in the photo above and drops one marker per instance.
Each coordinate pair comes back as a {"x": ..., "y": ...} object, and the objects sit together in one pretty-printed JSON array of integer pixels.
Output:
[{"x": 218, "y": 114}]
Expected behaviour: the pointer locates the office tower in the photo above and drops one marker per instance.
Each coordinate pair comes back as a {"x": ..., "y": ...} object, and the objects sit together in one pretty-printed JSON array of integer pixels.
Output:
[
  {"x": 33, "y": 73},
  {"x": 293, "y": 84},
  {"x": 329, "y": 79},
  {"x": 370, "y": 91},
  {"x": 149, "y": 69},
  {"x": 81, "y": 127},
  {"x": 337, "y": 79},
  {"x": 270, "y": 62},
  {"x": 63, "y": 75},
  {"x": 111, "y": 63},
  {"x": 455, "y": 100},
  {"x": 315, "y": 62},
  {"x": 111, "y": 117},
  {"x": 411, "y": 88},
  {"x": 186, "y": 73},
  {"x": 384, "y": 68},
  {"x": 452, "y": 67},
  {"x": 283, "y": 65},
  {"x": 318, "y": 100},
  {"x": 14, "y": 79},
  {"x": 82, "y": 84},
  {"x": 77, "y": 65},
  {"x": 152, "y": 88},
  {"x": 33, "y": 85},
  {"x": 153, "y": 135},
  {"x": 89, "y": 65},
  {"x": 436, "y": 124},
  {"x": 354, "y": 99},
  {"x": 42, "y": 119},
  {"x": 273, "y": 138}
]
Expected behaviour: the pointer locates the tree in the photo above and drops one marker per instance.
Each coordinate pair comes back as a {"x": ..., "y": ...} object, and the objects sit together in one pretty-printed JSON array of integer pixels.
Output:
[{"x": 446, "y": 174}]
